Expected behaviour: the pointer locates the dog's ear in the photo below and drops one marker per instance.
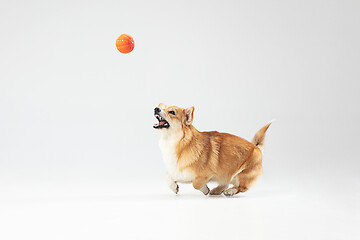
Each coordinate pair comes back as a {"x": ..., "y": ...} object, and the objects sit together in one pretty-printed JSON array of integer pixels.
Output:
[
  {"x": 162, "y": 106},
  {"x": 189, "y": 114}
]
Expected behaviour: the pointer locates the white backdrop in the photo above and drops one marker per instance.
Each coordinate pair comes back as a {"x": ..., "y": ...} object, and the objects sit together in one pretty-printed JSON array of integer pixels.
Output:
[{"x": 76, "y": 115}]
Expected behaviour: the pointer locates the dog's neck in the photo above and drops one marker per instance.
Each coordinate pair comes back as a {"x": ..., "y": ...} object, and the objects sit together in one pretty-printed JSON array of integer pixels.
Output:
[
  {"x": 186, "y": 139},
  {"x": 190, "y": 140},
  {"x": 190, "y": 133}
]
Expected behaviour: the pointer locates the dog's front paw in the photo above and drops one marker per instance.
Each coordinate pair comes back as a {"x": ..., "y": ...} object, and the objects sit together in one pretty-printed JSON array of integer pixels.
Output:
[
  {"x": 216, "y": 191},
  {"x": 205, "y": 190},
  {"x": 174, "y": 187}
]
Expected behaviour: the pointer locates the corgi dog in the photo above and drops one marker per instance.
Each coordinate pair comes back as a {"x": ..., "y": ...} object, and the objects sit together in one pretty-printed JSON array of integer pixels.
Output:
[{"x": 197, "y": 157}]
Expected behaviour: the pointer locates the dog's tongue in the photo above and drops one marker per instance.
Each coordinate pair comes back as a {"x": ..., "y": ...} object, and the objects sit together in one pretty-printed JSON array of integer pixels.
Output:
[{"x": 162, "y": 122}]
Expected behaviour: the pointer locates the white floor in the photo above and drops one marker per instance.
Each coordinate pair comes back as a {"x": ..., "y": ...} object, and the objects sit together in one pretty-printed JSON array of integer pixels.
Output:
[{"x": 156, "y": 213}]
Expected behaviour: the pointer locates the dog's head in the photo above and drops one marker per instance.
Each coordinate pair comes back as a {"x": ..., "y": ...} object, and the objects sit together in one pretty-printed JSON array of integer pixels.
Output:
[{"x": 173, "y": 118}]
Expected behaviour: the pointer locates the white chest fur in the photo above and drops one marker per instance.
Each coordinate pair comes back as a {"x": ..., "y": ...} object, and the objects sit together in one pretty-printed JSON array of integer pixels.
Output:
[{"x": 167, "y": 145}]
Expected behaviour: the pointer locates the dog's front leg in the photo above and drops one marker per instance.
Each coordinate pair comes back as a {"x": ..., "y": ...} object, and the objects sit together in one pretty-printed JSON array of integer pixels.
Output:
[
  {"x": 172, "y": 184},
  {"x": 199, "y": 183}
]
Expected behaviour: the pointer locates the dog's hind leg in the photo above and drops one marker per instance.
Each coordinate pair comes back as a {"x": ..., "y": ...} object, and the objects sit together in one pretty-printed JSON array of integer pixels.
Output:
[{"x": 244, "y": 180}]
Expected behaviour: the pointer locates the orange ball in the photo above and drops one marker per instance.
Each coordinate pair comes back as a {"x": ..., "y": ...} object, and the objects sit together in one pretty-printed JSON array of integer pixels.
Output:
[{"x": 125, "y": 43}]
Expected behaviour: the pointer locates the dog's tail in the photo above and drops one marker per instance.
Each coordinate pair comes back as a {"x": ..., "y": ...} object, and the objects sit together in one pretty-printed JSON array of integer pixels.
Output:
[{"x": 259, "y": 138}]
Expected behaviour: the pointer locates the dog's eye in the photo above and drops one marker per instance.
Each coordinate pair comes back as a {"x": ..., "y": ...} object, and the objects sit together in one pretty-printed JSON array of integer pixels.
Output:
[{"x": 172, "y": 112}]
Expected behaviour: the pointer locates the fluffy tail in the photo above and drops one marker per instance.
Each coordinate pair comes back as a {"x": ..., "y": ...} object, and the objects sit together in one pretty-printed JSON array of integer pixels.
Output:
[{"x": 259, "y": 138}]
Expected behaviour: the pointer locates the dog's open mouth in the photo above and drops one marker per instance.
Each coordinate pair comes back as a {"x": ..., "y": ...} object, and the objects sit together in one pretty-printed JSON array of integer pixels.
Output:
[{"x": 162, "y": 122}]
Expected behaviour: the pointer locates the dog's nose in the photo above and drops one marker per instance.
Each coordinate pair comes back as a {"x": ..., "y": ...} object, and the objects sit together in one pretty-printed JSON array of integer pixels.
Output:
[{"x": 157, "y": 110}]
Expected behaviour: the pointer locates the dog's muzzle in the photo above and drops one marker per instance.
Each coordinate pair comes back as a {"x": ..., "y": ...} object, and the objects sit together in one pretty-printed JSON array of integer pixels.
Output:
[{"x": 162, "y": 122}]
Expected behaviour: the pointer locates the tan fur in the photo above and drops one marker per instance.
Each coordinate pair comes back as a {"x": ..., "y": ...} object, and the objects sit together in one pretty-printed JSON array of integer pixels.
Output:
[{"x": 213, "y": 156}]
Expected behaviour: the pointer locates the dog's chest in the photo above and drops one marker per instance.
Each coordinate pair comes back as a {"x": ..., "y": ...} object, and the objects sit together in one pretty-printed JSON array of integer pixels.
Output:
[{"x": 168, "y": 150}]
